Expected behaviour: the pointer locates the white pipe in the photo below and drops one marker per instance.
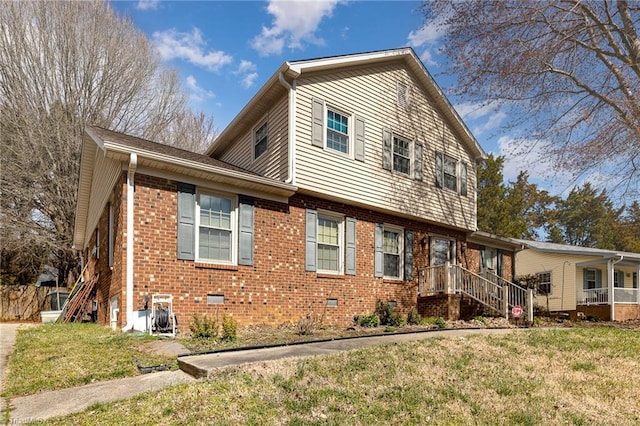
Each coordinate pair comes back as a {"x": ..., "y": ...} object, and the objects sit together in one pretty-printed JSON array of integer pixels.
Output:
[
  {"x": 133, "y": 163},
  {"x": 612, "y": 290},
  {"x": 291, "y": 172}
]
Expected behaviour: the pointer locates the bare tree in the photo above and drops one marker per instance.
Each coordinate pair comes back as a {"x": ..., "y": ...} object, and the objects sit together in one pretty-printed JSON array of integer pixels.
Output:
[
  {"x": 193, "y": 131},
  {"x": 64, "y": 65},
  {"x": 568, "y": 70}
]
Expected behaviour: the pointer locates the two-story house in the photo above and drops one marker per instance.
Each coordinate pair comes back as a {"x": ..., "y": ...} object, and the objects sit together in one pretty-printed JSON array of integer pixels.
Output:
[{"x": 335, "y": 186}]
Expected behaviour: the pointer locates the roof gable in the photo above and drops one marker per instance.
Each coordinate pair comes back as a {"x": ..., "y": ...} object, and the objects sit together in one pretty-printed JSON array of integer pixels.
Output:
[{"x": 292, "y": 70}]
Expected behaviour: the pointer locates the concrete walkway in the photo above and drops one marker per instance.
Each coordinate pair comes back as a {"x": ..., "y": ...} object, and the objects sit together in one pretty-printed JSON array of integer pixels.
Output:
[
  {"x": 46, "y": 405},
  {"x": 8, "y": 332},
  {"x": 205, "y": 365}
]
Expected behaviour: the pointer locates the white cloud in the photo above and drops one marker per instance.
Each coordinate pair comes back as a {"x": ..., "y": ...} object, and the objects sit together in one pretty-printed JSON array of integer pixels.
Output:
[
  {"x": 147, "y": 4},
  {"x": 197, "y": 93},
  {"x": 427, "y": 40},
  {"x": 293, "y": 23},
  {"x": 190, "y": 47},
  {"x": 482, "y": 116},
  {"x": 247, "y": 70}
]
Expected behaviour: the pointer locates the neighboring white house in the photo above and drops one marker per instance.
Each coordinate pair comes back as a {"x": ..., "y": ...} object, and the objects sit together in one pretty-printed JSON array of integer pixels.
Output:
[{"x": 596, "y": 282}]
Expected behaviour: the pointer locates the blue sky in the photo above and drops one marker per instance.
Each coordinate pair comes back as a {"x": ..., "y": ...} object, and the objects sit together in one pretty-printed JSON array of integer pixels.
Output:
[{"x": 225, "y": 51}]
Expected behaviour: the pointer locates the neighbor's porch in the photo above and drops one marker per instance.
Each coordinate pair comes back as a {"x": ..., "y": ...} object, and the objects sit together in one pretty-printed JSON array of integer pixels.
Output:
[{"x": 609, "y": 289}]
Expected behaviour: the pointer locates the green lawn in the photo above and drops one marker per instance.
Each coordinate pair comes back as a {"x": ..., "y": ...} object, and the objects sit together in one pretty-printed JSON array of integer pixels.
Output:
[
  {"x": 581, "y": 376},
  {"x": 54, "y": 356}
]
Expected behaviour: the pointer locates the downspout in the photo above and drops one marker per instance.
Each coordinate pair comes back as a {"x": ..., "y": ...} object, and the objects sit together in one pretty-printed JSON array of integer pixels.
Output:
[
  {"x": 133, "y": 163},
  {"x": 291, "y": 166},
  {"x": 612, "y": 291}
]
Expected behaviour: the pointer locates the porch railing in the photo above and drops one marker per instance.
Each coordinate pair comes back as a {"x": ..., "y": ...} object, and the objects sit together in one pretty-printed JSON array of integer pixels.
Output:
[
  {"x": 494, "y": 292},
  {"x": 626, "y": 295},
  {"x": 517, "y": 294},
  {"x": 592, "y": 296}
]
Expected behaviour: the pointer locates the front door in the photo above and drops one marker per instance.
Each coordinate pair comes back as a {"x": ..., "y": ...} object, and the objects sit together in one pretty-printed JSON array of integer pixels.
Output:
[{"x": 442, "y": 251}]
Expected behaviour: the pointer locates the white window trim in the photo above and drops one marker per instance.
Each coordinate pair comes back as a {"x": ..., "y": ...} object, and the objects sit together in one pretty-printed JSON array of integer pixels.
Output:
[
  {"x": 411, "y": 154},
  {"x": 457, "y": 168},
  {"x": 341, "y": 240},
  {"x": 254, "y": 130},
  {"x": 234, "y": 228},
  {"x": 550, "y": 292},
  {"x": 350, "y": 134},
  {"x": 111, "y": 233},
  {"x": 400, "y": 231}
]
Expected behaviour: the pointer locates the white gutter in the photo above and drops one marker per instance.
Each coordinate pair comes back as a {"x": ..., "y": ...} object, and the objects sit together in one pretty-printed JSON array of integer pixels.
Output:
[
  {"x": 610, "y": 273},
  {"x": 291, "y": 168},
  {"x": 133, "y": 163}
]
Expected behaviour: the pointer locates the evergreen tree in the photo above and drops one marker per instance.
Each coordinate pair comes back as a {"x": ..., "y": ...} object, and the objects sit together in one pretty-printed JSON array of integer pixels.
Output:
[
  {"x": 628, "y": 229},
  {"x": 491, "y": 195},
  {"x": 586, "y": 218}
]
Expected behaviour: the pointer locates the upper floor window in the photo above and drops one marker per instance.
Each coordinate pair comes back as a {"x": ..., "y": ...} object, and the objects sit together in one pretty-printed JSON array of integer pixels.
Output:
[
  {"x": 544, "y": 283},
  {"x": 260, "y": 140},
  {"x": 401, "y": 155},
  {"x": 337, "y": 131},
  {"x": 451, "y": 173},
  {"x": 215, "y": 228}
]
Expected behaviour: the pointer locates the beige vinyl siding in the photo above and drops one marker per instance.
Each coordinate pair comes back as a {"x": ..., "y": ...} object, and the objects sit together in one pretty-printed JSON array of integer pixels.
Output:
[
  {"x": 371, "y": 93},
  {"x": 272, "y": 163},
  {"x": 107, "y": 172},
  {"x": 564, "y": 277}
]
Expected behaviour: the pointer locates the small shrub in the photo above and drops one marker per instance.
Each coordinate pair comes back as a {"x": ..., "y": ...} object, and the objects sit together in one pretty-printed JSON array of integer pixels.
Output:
[
  {"x": 307, "y": 325},
  {"x": 204, "y": 328},
  {"x": 537, "y": 321},
  {"x": 387, "y": 316},
  {"x": 229, "y": 329},
  {"x": 413, "y": 317},
  {"x": 440, "y": 322},
  {"x": 480, "y": 319},
  {"x": 389, "y": 329},
  {"x": 370, "y": 320},
  {"x": 397, "y": 320},
  {"x": 384, "y": 312}
]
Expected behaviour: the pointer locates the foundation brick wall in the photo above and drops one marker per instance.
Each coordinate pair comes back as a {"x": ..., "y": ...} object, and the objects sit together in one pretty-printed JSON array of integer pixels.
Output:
[{"x": 276, "y": 289}]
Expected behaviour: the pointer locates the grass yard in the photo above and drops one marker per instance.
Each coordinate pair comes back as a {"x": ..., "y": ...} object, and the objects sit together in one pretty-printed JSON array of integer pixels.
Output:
[
  {"x": 54, "y": 356},
  {"x": 580, "y": 376}
]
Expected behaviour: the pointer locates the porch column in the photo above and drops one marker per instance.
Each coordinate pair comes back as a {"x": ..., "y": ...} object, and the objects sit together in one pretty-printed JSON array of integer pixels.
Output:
[
  {"x": 611, "y": 291},
  {"x": 638, "y": 285}
]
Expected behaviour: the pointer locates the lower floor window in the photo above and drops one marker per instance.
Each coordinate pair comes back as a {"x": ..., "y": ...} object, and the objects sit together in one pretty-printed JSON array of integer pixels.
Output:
[
  {"x": 215, "y": 228},
  {"x": 392, "y": 248},
  {"x": 329, "y": 244},
  {"x": 544, "y": 283}
]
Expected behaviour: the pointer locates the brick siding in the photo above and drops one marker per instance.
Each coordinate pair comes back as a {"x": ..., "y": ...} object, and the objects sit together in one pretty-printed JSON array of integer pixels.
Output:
[{"x": 276, "y": 289}]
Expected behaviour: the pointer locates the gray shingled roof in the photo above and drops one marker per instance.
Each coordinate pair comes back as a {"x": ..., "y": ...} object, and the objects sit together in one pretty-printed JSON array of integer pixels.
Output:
[
  {"x": 568, "y": 249},
  {"x": 139, "y": 143}
]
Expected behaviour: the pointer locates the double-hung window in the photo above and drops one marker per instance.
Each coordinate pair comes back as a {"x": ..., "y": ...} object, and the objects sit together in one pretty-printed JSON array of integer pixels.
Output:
[
  {"x": 392, "y": 249},
  {"x": 544, "y": 283},
  {"x": 330, "y": 243},
  {"x": 451, "y": 173},
  {"x": 337, "y": 131},
  {"x": 592, "y": 278},
  {"x": 260, "y": 140},
  {"x": 216, "y": 217},
  {"x": 401, "y": 155}
]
